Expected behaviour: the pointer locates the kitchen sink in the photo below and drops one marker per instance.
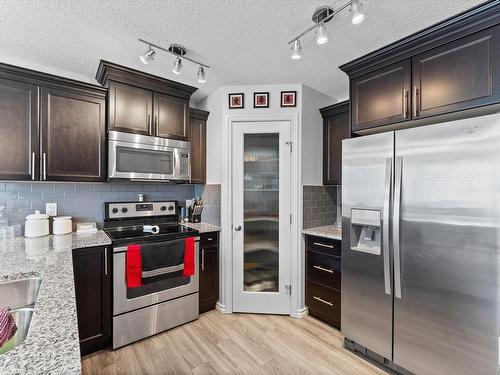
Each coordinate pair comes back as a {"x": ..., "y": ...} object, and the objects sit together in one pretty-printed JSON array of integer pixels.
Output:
[{"x": 20, "y": 295}]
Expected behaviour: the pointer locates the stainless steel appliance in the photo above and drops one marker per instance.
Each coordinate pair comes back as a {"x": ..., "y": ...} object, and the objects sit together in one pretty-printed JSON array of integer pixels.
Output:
[
  {"x": 146, "y": 158},
  {"x": 420, "y": 247},
  {"x": 149, "y": 309}
]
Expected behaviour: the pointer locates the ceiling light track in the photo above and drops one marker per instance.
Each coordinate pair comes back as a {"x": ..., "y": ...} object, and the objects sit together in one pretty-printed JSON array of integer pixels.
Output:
[
  {"x": 321, "y": 16},
  {"x": 180, "y": 54}
]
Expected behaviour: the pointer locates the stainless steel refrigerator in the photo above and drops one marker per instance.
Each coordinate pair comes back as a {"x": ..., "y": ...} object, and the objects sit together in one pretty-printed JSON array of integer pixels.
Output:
[{"x": 421, "y": 247}]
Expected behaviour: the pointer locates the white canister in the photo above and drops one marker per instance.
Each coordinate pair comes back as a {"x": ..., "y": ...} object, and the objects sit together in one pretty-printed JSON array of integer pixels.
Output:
[
  {"x": 36, "y": 225},
  {"x": 62, "y": 225}
]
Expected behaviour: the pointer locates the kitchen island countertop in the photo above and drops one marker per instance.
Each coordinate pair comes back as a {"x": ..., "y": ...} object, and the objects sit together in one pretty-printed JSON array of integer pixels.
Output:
[{"x": 52, "y": 345}]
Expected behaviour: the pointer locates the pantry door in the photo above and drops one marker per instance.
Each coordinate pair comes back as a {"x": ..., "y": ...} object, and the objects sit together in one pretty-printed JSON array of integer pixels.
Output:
[{"x": 261, "y": 217}]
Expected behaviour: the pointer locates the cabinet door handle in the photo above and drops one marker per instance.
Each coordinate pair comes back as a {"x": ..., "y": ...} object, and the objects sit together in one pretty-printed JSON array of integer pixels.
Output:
[
  {"x": 415, "y": 102},
  {"x": 323, "y": 301},
  {"x": 324, "y": 269},
  {"x": 157, "y": 127},
  {"x": 323, "y": 245},
  {"x": 44, "y": 166},
  {"x": 149, "y": 124},
  {"x": 106, "y": 261},
  {"x": 203, "y": 259},
  {"x": 33, "y": 166},
  {"x": 405, "y": 104}
]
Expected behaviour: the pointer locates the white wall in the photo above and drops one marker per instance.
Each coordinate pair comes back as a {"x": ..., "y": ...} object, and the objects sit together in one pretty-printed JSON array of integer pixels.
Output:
[{"x": 312, "y": 135}]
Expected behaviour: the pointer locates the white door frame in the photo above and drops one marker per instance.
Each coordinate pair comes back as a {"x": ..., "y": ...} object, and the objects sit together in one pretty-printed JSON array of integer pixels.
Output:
[{"x": 297, "y": 263}]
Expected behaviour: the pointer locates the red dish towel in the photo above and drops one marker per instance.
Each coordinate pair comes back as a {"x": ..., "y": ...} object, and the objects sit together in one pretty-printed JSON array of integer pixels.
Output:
[
  {"x": 133, "y": 266},
  {"x": 188, "y": 257},
  {"x": 8, "y": 325}
]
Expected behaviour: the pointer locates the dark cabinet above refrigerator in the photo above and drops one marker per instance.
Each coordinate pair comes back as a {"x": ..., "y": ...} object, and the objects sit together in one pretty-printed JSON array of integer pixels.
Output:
[
  {"x": 141, "y": 103},
  {"x": 443, "y": 71}
]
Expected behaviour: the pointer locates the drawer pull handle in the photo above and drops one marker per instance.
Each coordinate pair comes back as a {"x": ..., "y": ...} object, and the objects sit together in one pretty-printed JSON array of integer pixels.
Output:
[
  {"x": 323, "y": 269},
  {"x": 323, "y": 245},
  {"x": 323, "y": 301}
]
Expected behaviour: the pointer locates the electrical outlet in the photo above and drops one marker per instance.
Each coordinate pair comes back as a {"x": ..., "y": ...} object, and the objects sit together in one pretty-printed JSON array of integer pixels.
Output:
[{"x": 51, "y": 209}]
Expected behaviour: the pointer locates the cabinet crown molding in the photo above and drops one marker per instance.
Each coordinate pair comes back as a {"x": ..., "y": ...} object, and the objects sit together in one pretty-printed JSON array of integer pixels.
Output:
[
  {"x": 335, "y": 109},
  {"x": 470, "y": 21},
  {"x": 198, "y": 114},
  {"x": 109, "y": 71}
]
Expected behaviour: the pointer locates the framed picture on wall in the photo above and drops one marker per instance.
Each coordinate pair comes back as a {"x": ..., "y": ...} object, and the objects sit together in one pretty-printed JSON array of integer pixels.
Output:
[
  {"x": 261, "y": 100},
  {"x": 289, "y": 98},
  {"x": 236, "y": 100}
]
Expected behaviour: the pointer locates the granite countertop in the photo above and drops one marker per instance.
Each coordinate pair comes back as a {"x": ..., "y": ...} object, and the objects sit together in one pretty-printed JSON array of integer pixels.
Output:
[
  {"x": 203, "y": 227},
  {"x": 51, "y": 346},
  {"x": 328, "y": 231}
]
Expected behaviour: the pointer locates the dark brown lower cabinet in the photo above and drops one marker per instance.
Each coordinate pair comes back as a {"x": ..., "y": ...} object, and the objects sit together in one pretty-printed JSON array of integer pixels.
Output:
[
  {"x": 323, "y": 279},
  {"x": 209, "y": 271},
  {"x": 92, "y": 274}
]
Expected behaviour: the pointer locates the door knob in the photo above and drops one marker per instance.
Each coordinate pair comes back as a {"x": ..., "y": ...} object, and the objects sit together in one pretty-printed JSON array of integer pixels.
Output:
[{"x": 237, "y": 228}]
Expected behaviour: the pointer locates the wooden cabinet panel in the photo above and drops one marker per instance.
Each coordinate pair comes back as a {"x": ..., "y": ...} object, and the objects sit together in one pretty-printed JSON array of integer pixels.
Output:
[
  {"x": 171, "y": 118},
  {"x": 459, "y": 75},
  {"x": 73, "y": 136},
  {"x": 324, "y": 245},
  {"x": 93, "y": 297},
  {"x": 130, "y": 108},
  {"x": 209, "y": 271},
  {"x": 324, "y": 269},
  {"x": 381, "y": 97},
  {"x": 335, "y": 129},
  {"x": 324, "y": 302},
  {"x": 198, "y": 151},
  {"x": 18, "y": 130}
]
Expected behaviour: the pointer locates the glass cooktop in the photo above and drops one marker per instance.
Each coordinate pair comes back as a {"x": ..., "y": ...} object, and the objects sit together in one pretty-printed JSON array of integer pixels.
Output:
[{"x": 136, "y": 234}]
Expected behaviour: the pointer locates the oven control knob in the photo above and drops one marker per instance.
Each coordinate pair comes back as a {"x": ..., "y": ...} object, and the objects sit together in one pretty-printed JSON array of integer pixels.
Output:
[
  {"x": 124, "y": 209},
  {"x": 115, "y": 210},
  {"x": 163, "y": 208},
  {"x": 170, "y": 208}
]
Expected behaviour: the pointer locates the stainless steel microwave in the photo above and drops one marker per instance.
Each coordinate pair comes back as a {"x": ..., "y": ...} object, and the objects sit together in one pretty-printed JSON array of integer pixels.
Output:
[{"x": 138, "y": 157}]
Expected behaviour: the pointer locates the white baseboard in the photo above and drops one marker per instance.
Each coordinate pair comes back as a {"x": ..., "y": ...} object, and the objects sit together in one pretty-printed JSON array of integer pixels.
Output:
[
  {"x": 222, "y": 308},
  {"x": 300, "y": 313}
]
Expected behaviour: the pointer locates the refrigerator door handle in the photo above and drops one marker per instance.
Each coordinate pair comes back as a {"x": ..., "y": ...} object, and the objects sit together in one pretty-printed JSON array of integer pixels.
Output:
[
  {"x": 386, "y": 225},
  {"x": 395, "y": 229}
]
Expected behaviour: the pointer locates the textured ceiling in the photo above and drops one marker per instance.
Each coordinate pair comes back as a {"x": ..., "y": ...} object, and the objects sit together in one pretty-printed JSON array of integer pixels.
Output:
[{"x": 245, "y": 42}]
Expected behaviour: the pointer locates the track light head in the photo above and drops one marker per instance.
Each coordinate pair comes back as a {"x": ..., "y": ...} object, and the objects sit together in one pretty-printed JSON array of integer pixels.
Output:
[
  {"x": 296, "y": 48},
  {"x": 356, "y": 12},
  {"x": 177, "y": 66},
  {"x": 202, "y": 75},
  {"x": 321, "y": 35},
  {"x": 148, "y": 56}
]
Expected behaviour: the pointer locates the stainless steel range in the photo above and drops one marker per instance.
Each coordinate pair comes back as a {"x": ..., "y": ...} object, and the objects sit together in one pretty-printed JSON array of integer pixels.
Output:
[{"x": 142, "y": 311}]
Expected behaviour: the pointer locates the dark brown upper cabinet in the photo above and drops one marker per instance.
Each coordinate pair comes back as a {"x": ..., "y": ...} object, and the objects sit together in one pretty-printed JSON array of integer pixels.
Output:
[
  {"x": 51, "y": 128},
  {"x": 335, "y": 129},
  {"x": 381, "y": 97},
  {"x": 443, "y": 71},
  {"x": 142, "y": 103},
  {"x": 459, "y": 75},
  {"x": 19, "y": 151},
  {"x": 73, "y": 136},
  {"x": 198, "y": 145},
  {"x": 171, "y": 117},
  {"x": 130, "y": 109}
]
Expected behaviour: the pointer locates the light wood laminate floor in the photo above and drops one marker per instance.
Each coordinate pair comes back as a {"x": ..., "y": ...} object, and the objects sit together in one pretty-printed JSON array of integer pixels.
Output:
[{"x": 235, "y": 344}]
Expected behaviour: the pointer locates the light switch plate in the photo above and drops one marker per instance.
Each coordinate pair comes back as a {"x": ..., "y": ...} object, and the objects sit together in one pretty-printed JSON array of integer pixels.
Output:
[{"x": 51, "y": 209}]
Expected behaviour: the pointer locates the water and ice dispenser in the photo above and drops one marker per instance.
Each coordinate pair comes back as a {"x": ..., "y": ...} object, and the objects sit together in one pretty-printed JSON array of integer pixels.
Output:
[{"x": 365, "y": 231}]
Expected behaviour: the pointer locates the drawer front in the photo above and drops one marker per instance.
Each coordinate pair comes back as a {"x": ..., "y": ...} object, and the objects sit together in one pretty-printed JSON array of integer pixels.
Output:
[
  {"x": 323, "y": 245},
  {"x": 323, "y": 302},
  {"x": 209, "y": 239},
  {"x": 324, "y": 269}
]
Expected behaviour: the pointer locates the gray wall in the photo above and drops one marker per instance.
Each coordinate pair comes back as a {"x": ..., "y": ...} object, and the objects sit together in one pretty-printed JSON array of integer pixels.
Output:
[
  {"x": 83, "y": 201},
  {"x": 320, "y": 206}
]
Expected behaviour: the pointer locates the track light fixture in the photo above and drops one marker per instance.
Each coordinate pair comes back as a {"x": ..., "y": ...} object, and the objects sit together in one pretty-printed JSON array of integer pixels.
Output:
[
  {"x": 321, "y": 16},
  {"x": 179, "y": 52}
]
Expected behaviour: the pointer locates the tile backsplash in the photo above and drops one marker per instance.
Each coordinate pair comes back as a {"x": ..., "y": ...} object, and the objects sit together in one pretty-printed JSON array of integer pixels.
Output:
[
  {"x": 320, "y": 205},
  {"x": 211, "y": 195},
  {"x": 83, "y": 201}
]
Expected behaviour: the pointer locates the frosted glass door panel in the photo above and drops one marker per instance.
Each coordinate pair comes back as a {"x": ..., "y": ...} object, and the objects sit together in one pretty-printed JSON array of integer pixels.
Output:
[{"x": 261, "y": 212}]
